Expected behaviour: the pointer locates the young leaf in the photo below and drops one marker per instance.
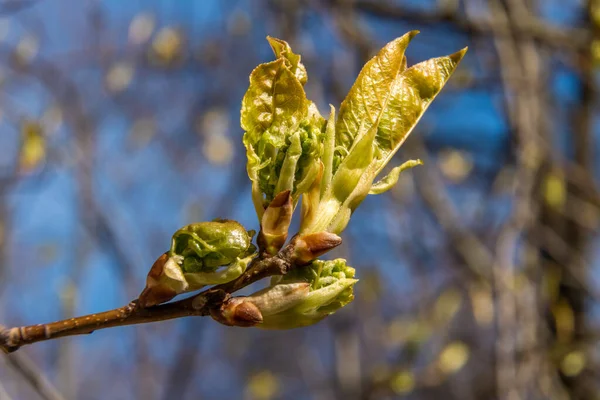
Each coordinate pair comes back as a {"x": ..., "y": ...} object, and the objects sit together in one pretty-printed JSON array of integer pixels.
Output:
[
  {"x": 391, "y": 179},
  {"x": 412, "y": 92},
  {"x": 274, "y": 104},
  {"x": 283, "y": 50},
  {"x": 305, "y": 295},
  {"x": 367, "y": 98},
  {"x": 284, "y": 130},
  {"x": 383, "y": 106},
  {"x": 328, "y": 150}
]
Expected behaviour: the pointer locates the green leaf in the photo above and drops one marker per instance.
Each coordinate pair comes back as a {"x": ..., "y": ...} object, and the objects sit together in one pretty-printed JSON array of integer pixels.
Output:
[
  {"x": 353, "y": 167},
  {"x": 328, "y": 150},
  {"x": 368, "y": 97},
  {"x": 204, "y": 246},
  {"x": 287, "y": 172},
  {"x": 274, "y": 104},
  {"x": 391, "y": 179},
  {"x": 288, "y": 303},
  {"x": 196, "y": 280},
  {"x": 283, "y": 50},
  {"x": 284, "y": 130},
  {"x": 412, "y": 92}
]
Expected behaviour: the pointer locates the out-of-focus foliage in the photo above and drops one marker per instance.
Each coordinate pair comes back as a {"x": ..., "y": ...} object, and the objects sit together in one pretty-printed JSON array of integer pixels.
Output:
[{"x": 137, "y": 113}]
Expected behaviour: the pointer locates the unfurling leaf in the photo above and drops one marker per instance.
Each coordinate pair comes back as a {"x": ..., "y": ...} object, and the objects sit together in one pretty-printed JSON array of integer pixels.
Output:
[
  {"x": 205, "y": 246},
  {"x": 391, "y": 179},
  {"x": 283, "y": 50},
  {"x": 305, "y": 295},
  {"x": 283, "y": 129},
  {"x": 383, "y": 106},
  {"x": 204, "y": 253},
  {"x": 368, "y": 97},
  {"x": 412, "y": 93}
]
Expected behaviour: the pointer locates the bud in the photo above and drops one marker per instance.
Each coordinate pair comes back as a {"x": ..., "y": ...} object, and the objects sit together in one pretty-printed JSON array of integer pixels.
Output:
[
  {"x": 313, "y": 245},
  {"x": 282, "y": 129},
  {"x": 204, "y": 253},
  {"x": 275, "y": 223},
  {"x": 205, "y": 246},
  {"x": 280, "y": 297},
  {"x": 237, "y": 311},
  {"x": 305, "y": 296},
  {"x": 164, "y": 281}
]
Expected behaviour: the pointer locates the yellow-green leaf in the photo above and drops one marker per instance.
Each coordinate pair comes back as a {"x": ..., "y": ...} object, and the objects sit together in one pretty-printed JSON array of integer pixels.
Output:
[
  {"x": 391, "y": 179},
  {"x": 328, "y": 149},
  {"x": 573, "y": 363},
  {"x": 412, "y": 92},
  {"x": 453, "y": 357},
  {"x": 275, "y": 101},
  {"x": 403, "y": 382},
  {"x": 33, "y": 146},
  {"x": 368, "y": 97},
  {"x": 283, "y": 50},
  {"x": 263, "y": 386}
]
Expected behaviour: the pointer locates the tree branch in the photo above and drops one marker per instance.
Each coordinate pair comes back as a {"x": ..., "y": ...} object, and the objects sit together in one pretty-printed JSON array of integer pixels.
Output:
[
  {"x": 131, "y": 314},
  {"x": 527, "y": 26},
  {"x": 27, "y": 369}
]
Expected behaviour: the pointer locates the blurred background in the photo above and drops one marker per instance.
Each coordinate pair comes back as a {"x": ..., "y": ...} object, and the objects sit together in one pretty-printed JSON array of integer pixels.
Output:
[{"x": 480, "y": 271}]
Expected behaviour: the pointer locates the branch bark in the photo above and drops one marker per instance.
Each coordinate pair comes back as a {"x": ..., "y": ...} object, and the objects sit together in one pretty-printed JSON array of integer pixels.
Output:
[{"x": 199, "y": 305}]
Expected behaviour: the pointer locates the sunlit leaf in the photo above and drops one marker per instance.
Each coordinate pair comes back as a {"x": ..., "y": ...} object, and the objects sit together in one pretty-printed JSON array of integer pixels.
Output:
[
  {"x": 382, "y": 108},
  {"x": 453, "y": 357},
  {"x": 368, "y": 97},
  {"x": 403, "y": 382},
  {"x": 215, "y": 121},
  {"x": 218, "y": 149},
  {"x": 263, "y": 386},
  {"x": 330, "y": 288},
  {"x": 446, "y": 306},
  {"x": 167, "y": 45},
  {"x": 564, "y": 318},
  {"x": 119, "y": 77},
  {"x": 27, "y": 48},
  {"x": 573, "y": 363},
  {"x": 33, "y": 146},
  {"x": 390, "y": 180},
  {"x": 141, "y": 28},
  {"x": 275, "y": 101},
  {"x": 283, "y": 50},
  {"x": 482, "y": 304},
  {"x": 410, "y": 96},
  {"x": 284, "y": 130},
  {"x": 455, "y": 165},
  {"x": 554, "y": 190}
]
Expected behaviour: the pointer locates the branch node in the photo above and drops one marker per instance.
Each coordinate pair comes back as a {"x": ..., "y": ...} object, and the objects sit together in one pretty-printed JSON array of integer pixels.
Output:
[{"x": 9, "y": 339}]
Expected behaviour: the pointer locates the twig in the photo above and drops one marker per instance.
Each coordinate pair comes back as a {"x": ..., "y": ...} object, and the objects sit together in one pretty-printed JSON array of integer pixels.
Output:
[
  {"x": 532, "y": 27},
  {"x": 3, "y": 393},
  {"x": 199, "y": 305},
  {"x": 14, "y": 6},
  {"x": 477, "y": 257},
  {"x": 28, "y": 370},
  {"x": 517, "y": 58}
]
